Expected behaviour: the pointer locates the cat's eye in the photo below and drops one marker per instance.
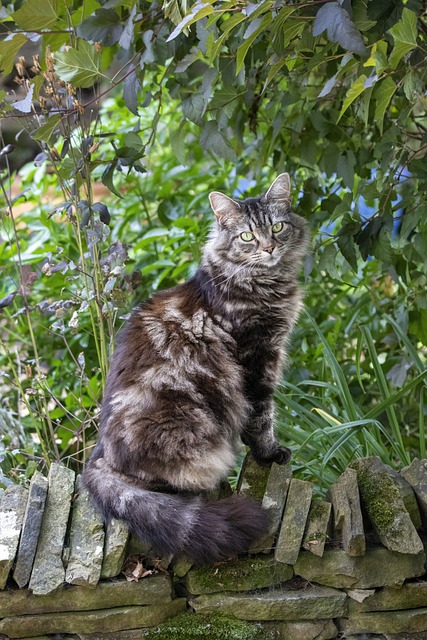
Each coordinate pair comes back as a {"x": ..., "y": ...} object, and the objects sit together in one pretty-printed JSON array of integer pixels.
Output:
[
  {"x": 278, "y": 226},
  {"x": 247, "y": 236}
]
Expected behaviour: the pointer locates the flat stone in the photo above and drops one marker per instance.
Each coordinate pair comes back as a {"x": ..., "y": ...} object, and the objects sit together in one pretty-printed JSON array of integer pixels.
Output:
[
  {"x": 151, "y": 590},
  {"x": 316, "y": 530},
  {"x": 280, "y": 604},
  {"x": 102, "y": 621},
  {"x": 416, "y": 475},
  {"x": 303, "y": 630},
  {"x": 294, "y": 520},
  {"x": 347, "y": 514},
  {"x": 31, "y": 529},
  {"x": 245, "y": 574},
  {"x": 410, "y": 621},
  {"x": 253, "y": 479},
  {"x": 412, "y": 595},
  {"x": 273, "y": 503},
  {"x": 377, "y": 568},
  {"x": 86, "y": 541},
  {"x": 116, "y": 538},
  {"x": 48, "y": 572},
  {"x": 12, "y": 510},
  {"x": 385, "y": 508}
]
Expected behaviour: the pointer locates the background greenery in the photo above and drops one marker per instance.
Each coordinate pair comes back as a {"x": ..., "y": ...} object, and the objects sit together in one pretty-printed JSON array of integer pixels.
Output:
[{"x": 136, "y": 110}]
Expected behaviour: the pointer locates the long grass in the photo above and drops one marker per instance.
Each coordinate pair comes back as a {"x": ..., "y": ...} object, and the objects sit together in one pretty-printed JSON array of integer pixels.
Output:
[{"x": 327, "y": 427}]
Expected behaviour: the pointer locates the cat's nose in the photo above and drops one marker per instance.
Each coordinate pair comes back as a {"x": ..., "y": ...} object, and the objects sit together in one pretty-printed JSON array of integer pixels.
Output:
[{"x": 269, "y": 249}]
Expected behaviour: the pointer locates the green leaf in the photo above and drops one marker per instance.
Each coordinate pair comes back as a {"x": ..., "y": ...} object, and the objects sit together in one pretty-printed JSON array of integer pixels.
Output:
[
  {"x": 244, "y": 48},
  {"x": 405, "y": 36},
  {"x": 9, "y": 50},
  {"x": 346, "y": 243},
  {"x": 292, "y": 29},
  {"x": 212, "y": 140},
  {"x": 178, "y": 142},
  {"x": 383, "y": 94},
  {"x": 46, "y": 132},
  {"x": 193, "y": 108},
  {"x": 80, "y": 67},
  {"x": 380, "y": 56},
  {"x": 39, "y": 14},
  {"x": 199, "y": 11},
  {"x": 355, "y": 90},
  {"x": 102, "y": 26}
]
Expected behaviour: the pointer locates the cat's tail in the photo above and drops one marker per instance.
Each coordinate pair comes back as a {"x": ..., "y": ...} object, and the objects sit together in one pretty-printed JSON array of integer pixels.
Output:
[{"x": 203, "y": 532}]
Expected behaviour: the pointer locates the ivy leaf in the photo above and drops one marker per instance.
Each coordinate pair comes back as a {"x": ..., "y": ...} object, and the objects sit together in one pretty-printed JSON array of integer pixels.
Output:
[
  {"x": 103, "y": 26},
  {"x": 384, "y": 93},
  {"x": 340, "y": 28},
  {"x": 405, "y": 36},
  {"x": 355, "y": 90},
  {"x": 81, "y": 66},
  {"x": 214, "y": 141},
  {"x": 39, "y": 14},
  {"x": 8, "y": 52}
]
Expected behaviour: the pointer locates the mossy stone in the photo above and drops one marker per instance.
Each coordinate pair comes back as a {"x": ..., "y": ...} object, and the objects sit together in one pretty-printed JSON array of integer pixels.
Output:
[
  {"x": 410, "y": 621},
  {"x": 252, "y": 479},
  {"x": 385, "y": 508},
  {"x": 102, "y": 621},
  {"x": 245, "y": 574}
]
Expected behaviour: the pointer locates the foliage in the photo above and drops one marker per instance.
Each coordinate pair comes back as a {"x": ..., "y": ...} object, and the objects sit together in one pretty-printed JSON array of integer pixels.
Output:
[{"x": 162, "y": 104}]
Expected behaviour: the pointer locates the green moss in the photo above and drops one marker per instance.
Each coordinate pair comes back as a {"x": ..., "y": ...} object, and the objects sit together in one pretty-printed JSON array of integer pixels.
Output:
[
  {"x": 379, "y": 495},
  {"x": 244, "y": 574},
  {"x": 190, "y": 626}
]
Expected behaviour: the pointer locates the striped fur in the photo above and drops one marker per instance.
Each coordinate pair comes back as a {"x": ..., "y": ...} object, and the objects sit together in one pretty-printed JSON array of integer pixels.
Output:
[{"x": 193, "y": 375}]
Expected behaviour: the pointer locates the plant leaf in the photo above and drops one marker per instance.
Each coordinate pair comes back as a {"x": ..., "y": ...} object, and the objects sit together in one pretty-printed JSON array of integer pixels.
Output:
[
  {"x": 39, "y": 14},
  {"x": 8, "y": 51},
  {"x": 102, "y": 26},
  {"x": 46, "y": 132},
  {"x": 340, "y": 28},
  {"x": 25, "y": 105},
  {"x": 355, "y": 90},
  {"x": 383, "y": 94},
  {"x": 81, "y": 66},
  {"x": 405, "y": 36}
]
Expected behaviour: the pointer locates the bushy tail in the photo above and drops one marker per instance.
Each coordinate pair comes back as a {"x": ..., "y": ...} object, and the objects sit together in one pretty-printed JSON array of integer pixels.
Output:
[{"x": 203, "y": 532}]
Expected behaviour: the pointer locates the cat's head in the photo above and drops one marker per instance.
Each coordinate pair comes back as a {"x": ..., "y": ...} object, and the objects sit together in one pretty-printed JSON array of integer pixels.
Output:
[{"x": 261, "y": 232}]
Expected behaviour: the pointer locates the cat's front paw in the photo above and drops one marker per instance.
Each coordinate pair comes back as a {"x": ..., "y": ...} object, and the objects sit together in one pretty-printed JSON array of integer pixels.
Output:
[{"x": 280, "y": 455}]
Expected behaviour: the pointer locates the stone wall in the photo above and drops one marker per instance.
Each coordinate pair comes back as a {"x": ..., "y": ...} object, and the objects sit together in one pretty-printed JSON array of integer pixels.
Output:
[{"x": 351, "y": 566}]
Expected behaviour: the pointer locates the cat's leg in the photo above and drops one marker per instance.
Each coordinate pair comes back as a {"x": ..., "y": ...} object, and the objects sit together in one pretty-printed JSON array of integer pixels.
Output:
[{"x": 258, "y": 434}]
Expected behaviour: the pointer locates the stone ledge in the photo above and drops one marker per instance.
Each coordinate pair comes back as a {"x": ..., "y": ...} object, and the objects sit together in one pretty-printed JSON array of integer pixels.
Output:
[
  {"x": 280, "y": 604},
  {"x": 377, "y": 568},
  {"x": 411, "y": 621},
  {"x": 246, "y": 574},
  {"x": 152, "y": 590},
  {"x": 104, "y": 620}
]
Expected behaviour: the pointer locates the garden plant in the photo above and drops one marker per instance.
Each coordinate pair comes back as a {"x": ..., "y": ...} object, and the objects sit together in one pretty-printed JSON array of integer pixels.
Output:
[{"x": 117, "y": 120}]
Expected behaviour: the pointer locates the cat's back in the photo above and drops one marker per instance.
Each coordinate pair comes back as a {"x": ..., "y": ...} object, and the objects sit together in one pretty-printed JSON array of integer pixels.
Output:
[{"x": 173, "y": 340}]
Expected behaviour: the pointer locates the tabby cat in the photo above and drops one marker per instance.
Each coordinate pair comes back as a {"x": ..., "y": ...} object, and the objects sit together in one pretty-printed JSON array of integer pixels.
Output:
[{"x": 193, "y": 374}]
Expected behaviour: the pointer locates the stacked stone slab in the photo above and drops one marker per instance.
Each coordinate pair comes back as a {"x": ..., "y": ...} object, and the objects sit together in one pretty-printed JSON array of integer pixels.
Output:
[{"x": 353, "y": 564}]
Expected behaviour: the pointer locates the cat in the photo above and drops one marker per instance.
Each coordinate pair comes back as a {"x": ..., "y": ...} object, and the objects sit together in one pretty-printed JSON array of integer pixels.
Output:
[{"x": 193, "y": 375}]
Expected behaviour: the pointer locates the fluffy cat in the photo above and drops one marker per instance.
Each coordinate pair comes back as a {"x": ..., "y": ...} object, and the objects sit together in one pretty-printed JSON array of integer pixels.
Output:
[{"x": 194, "y": 374}]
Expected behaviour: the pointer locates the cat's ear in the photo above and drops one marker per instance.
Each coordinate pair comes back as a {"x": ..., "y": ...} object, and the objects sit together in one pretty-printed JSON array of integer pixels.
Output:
[
  {"x": 225, "y": 209},
  {"x": 280, "y": 190}
]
